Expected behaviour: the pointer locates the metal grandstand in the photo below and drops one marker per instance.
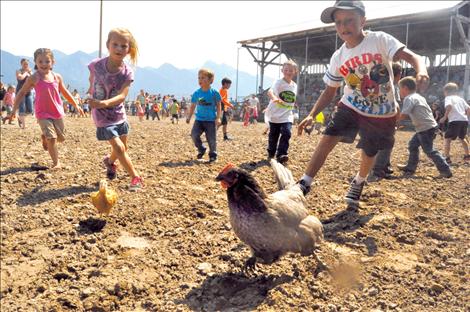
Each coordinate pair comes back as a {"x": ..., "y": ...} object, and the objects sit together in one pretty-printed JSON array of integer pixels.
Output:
[{"x": 442, "y": 36}]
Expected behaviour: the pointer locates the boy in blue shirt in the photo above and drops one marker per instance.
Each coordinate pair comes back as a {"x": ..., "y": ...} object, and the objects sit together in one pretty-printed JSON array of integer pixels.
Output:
[{"x": 206, "y": 102}]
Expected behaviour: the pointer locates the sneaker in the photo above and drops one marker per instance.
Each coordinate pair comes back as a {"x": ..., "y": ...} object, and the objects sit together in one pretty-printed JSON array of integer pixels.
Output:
[
  {"x": 212, "y": 159},
  {"x": 448, "y": 161},
  {"x": 111, "y": 169},
  {"x": 227, "y": 138},
  {"x": 136, "y": 184},
  {"x": 388, "y": 170},
  {"x": 445, "y": 175},
  {"x": 304, "y": 187},
  {"x": 374, "y": 177},
  {"x": 200, "y": 155},
  {"x": 405, "y": 170},
  {"x": 283, "y": 159},
  {"x": 466, "y": 157},
  {"x": 354, "y": 193}
]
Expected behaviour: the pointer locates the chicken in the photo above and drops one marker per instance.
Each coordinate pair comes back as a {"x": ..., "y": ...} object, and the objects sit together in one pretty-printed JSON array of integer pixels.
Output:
[
  {"x": 271, "y": 225},
  {"x": 104, "y": 199}
]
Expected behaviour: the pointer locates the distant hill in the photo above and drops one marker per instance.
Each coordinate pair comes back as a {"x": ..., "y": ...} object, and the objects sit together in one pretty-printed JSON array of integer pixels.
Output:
[{"x": 166, "y": 79}]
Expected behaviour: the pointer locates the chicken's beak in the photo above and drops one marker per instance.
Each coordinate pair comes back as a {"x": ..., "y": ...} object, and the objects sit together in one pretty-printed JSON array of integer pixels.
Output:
[{"x": 223, "y": 183}]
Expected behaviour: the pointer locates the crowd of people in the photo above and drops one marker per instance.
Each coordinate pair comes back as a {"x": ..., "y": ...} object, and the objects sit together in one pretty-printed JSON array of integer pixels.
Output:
[{"x": 368, "y": 104}]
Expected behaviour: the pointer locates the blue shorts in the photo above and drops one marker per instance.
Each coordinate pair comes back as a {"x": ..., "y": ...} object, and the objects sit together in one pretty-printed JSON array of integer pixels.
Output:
[{"x": 113, "y": 131}]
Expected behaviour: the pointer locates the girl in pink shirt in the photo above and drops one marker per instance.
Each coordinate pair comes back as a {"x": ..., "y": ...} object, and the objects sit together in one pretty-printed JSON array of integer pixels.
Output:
[
  {"x": 8, "y": 101},
  {"x": 48, "y": 107}
]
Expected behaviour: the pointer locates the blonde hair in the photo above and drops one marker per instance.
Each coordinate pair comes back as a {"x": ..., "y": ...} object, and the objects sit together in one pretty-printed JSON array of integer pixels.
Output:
[
  {"x": 290, "y": 63},
  {"x": 208, "y": 73},
  {"x": 451, "y": 88},
  {"x": 43, "y": 51},
  {"x": 133, "y": 48}
]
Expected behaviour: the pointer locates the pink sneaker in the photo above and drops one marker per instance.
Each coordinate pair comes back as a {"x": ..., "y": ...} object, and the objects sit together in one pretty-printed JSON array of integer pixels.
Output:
[
  {"x": 136, "y": 184},
  {"x": 111, "y": 169}
]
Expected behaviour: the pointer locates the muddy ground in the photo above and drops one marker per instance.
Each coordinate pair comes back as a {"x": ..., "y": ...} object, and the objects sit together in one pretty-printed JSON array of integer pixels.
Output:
[{"x": 170, "y": 247}]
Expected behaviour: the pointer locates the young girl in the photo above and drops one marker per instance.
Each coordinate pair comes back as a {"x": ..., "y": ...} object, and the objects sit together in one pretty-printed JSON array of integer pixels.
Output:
[
  {"x": 110, "y": 80},
  {"x": 140, "y": 110},
  {"x": 9, "y": 100},
  {"x": 48, "y": 106}
]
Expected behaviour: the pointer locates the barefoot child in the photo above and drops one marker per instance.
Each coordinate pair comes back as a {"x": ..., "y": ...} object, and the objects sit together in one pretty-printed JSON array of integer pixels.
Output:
[
  {"x": 110, "y": 79},
  {"x": 48, "y": 106}
]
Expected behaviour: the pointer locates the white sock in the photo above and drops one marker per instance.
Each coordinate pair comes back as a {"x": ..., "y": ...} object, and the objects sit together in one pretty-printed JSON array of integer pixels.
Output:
[
  {"x": 358, "y": 179},
  {"x": 308, "y": 179}
]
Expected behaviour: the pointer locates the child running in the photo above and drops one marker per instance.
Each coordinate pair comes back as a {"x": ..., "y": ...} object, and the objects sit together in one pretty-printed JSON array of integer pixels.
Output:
[
  {"x": 206, "y": 102},
  {"x": 48, "y": 106},
  {"x": 174, "y": 110},
  {"x": 282, "y": 97},
  {"x": 368, "y": 106},
  {"x": 110, "y": 80},
  {"x": 8, "y": 101},
  {"x": 457, "y": 112},
  {"x": 416, "y": 108}
]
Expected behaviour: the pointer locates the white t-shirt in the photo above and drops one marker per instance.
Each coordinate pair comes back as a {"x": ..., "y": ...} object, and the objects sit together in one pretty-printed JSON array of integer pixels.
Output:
[
  {"x": 459, "y": 107},
  {"x": 282, "y": 112},
  {"x": 367, "y": 72},
  {"x": 253, "y": 102}
]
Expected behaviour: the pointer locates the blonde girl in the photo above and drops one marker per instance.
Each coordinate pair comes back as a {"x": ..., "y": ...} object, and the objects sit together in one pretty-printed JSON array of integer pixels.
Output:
[{"x": 110, "y": 80}]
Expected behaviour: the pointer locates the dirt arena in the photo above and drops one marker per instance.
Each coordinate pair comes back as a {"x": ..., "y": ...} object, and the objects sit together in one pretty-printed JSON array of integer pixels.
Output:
[{"x": 170, "y": 247}]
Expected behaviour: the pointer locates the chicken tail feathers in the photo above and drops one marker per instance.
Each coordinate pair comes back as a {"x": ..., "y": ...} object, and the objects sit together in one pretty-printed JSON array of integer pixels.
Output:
[{"x": 282, "y": 175}]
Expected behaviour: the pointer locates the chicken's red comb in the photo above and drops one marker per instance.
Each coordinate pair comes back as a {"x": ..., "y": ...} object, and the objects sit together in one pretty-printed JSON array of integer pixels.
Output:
[{"x": 227, "y": 168}]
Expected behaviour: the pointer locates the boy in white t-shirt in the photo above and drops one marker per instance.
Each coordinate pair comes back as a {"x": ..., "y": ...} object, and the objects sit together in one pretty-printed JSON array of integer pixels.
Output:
[
  {"x": 457, "y": 111},
  {"x": 280, "y": 113},
  {"x": 368, "y": 106}
]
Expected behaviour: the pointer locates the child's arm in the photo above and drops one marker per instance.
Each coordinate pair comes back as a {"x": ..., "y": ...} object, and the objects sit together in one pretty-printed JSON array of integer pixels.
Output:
[
  {"x": 272, "y": 97},
  {"x": 323, "y": 101},
  {"x": 219, "y": 110},
  {"x": 191, "y": 112},
  {"x": 446, "y": 115},
  {"x": 28, "y": 85},
  {"x": 114, "y": 101},
  {"x": 415, "y": 60},
  {"x": 68, "y": 96}
]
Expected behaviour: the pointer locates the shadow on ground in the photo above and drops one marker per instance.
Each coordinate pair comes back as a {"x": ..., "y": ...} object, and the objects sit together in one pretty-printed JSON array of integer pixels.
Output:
[
  {"x": 35, "y": 196},
  {"x": 232, "y": 291}
]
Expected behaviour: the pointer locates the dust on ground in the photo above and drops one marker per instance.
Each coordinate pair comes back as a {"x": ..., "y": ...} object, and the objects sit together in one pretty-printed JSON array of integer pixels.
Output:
[{"x": 170, "y": 247}]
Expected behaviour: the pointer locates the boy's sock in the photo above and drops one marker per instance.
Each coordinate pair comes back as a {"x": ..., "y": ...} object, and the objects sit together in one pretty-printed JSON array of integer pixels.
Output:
[
  {"x": 308, "y": 179},
  {"x": 358, "y": 179}
]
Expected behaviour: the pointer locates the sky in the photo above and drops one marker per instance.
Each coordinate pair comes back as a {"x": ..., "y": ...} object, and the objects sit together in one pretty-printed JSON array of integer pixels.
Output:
[{"x": 183, "y": 33}]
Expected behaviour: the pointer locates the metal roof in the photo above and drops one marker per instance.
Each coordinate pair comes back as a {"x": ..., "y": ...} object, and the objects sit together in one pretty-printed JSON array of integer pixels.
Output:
[{"x": 428, "y": 34}]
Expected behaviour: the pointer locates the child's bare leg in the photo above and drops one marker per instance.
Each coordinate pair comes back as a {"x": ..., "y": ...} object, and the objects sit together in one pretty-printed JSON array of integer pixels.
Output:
[
  {"x": 367, "y": 163},
  {"x": 323, "y": 149},
  {"x": 119, "y": 152},
  {"x": 44, "y": 142},
  {"x": 447, "y": 147},
  {"x": 464, "y": 142},
  {"x": 53, "y": 152}
]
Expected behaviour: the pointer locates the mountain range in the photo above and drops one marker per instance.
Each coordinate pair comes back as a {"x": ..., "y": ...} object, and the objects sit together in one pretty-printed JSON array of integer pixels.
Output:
[{"x": 166, "y": 79}]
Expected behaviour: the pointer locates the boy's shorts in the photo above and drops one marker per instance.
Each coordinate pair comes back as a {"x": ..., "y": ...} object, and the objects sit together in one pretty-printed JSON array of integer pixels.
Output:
[
  {"x": 456, "y": 129},
  {"x": 375, "y": 133},
  {"x": 174, "y": 116},
  {"x": 113, "y": 131},
  {"x": 53, "y": 128}
]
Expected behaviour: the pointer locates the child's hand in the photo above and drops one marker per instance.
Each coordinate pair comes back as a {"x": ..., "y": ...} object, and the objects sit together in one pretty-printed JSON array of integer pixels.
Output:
[
  {"x": 308, "y": 121},
  {"x": 218, "y": 122}
]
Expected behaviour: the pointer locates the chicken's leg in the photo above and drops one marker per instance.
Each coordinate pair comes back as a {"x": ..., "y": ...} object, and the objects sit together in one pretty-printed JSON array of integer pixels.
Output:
[{"x": 250, "y": 265}]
